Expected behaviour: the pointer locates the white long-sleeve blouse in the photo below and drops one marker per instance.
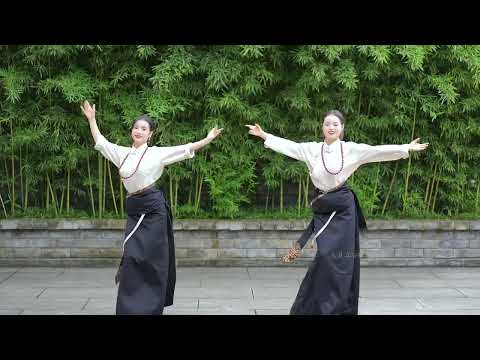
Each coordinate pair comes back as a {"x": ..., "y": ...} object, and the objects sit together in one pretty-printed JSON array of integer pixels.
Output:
[
  {"x": 152, "y": 165},
  {"x": 354, "y": 155}
]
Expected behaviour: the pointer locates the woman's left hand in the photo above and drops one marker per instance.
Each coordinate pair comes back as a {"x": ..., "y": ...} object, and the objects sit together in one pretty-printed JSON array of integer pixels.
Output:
[
  {"x": 213, "y": 133},
  {"x": 415, "y": 146}
]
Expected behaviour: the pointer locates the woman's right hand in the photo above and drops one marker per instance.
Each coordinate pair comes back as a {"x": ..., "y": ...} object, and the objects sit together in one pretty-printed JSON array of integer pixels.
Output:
[
  {"x": 88, "y": 111},
  {"x": 257, "y": 131},
  {"x": 293, "y": 253}
]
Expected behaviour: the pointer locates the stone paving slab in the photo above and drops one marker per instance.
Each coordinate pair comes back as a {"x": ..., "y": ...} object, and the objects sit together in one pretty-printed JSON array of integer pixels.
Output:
[
  {"x": 42, "y": 270},
  {"x": 273, "y": 304},
  {"x": 379, "y": 284},
  {"x": 432, "y": 304},
  {"x": 10, "y": 311},
  {"x": 273, "y": 312},
  {"x": 226, "y": 306},
  {"x": 411, "y": 293},
  {"x": 239, "y": 291},
  {"x": 422, "y": 283},
  {"x": 458, "y": 275},
  {"x": 274, "y": 293},
  {"x": 470, "y": 292},
  {"x": 380, "y": 306},
  {"x": 74, "y": 292},
  {"x": 214, "y": 293},
  {"x": 468, "y": 283}
]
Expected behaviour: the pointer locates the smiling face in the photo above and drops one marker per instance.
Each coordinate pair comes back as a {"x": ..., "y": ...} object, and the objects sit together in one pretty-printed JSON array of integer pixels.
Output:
[
  {"x": 141, "y": 132},
  {"x": 332, "y": 128}
]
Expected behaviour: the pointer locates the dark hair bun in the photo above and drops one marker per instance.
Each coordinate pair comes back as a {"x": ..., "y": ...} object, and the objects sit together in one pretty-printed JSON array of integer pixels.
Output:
[{"x": 147, "y": 119}]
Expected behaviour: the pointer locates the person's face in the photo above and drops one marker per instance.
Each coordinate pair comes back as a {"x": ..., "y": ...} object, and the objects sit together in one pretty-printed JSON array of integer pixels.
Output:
[
  {"x": 140, "y": 133},
  {"x": 332, "y": 128}
]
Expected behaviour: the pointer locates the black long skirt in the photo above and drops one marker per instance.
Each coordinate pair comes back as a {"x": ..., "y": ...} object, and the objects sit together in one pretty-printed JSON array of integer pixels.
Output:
[
  {"x": 147, "y": 271},
  {"x": 331, "y": 284}
]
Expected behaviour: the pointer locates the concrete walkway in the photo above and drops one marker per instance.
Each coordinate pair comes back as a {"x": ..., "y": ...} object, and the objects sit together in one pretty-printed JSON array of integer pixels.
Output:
[{"x": 239, "y": 291}]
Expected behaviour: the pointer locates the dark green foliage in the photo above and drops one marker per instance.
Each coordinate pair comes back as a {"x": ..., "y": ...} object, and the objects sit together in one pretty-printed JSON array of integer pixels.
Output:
[{"x": 390, "y": 95}]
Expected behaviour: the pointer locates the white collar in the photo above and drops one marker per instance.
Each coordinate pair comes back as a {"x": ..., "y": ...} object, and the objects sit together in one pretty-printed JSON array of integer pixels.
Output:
[
  {"x": 329, "y": 148},
  {"x": 140, "y": 148}
]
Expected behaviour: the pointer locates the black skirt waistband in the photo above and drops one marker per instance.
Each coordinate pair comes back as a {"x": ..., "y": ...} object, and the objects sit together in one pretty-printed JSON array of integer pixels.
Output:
[
  {"x": 146, "y": 202},
  {"x": 336, "y": 200}
]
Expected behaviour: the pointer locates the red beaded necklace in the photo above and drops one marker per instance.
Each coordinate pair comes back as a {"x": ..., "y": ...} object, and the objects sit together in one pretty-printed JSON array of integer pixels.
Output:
[
  {"x": 139, "y": 161},
  {"x": 323, "y": 160}
]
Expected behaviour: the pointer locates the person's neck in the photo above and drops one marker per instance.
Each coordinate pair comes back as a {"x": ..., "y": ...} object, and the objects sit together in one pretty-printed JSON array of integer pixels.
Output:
[
  {"x": 330, "y": 141},
  {"x": 136, "y": 146}
]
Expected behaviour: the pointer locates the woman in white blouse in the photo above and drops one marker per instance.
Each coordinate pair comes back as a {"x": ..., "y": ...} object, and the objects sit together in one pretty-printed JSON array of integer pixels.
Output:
[
  {"x": 147, "y": 271},
  {"x": 331, "y": 284}
]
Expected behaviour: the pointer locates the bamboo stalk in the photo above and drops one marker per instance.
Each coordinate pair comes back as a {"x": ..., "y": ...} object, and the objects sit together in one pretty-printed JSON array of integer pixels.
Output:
[
  {"x": 104, "y": 184},
  {"x": 170, "y": 183},
  {"x": 8, "y": 182},
  {"x": 100, "y": 185},
  {"x": 61, "y": 200},
  {"x": 25, "y": 203},
  {"x": 405, "y": 197},
  {"x": 266, "y": 201},
  {"x": 199, "y": 193},
  {"x": 121, "y": 197},
  {"x": 390, "y": 188},
  {"x": 458, "y": 185},
  {"x": 22, "y": 195},
  {"x": 281, "y": 196},
  {"x": 54, "y": 202},
  {"x": 195, "y": 195},
  {"x": 13, "y": 169},
  {"x": 464, "y": 183},
  {"x": 432, "y": 186},
  {"x": 111, "y": 188},
  {"x": 299, "y": 196},
  {"x": 429, "y": 184},
  {"x": 68, "y": 190},
  {"x": 3, "y": 206},
  {"x": 176, "y": 196},
  {"x": 90, "y": 186},
  {"x": 374, "y": 196},
  {"x": 305, "y": 189},
  {"x": 476, "y": 199},
  {"x": 435, "y": 196},
  {"x": 426, "y": 191},
  {"x": 359, "y": 103},
  {"x": 190, "y": 191},
  {"x": 25, "y": 199},
  {"x": 47, "y": 200}
]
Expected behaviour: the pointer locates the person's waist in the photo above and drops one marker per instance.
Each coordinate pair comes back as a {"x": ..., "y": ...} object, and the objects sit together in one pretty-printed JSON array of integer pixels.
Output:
[
  {"x": 146, "y": 188},
  {"x": 320, "y": 193},
  {"x": 336, "y": 188}
]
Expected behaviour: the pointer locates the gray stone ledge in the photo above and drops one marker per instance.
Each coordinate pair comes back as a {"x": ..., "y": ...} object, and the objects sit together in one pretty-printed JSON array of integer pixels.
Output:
[
  {"x": 239, "y": 262},
  {"x": 234, "y": 225}
]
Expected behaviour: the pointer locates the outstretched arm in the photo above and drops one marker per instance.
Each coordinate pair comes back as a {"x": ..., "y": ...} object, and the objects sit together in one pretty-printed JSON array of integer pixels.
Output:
[
  {"x": 112, "y": 152},
  {"x": 367, "y": 153},
  {"x": 89, "y": 112},
  {"x": 415, "y": 146},
  {"x": 257, "y": 131},
  {"x": 278, "y": 144},
  {"x": 210, "y": 137},
  {"x": 168, "y": 155}
]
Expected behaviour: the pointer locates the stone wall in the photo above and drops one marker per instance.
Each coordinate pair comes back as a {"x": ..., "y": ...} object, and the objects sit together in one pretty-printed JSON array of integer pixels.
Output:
[{"x": 26, "y": 242}]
